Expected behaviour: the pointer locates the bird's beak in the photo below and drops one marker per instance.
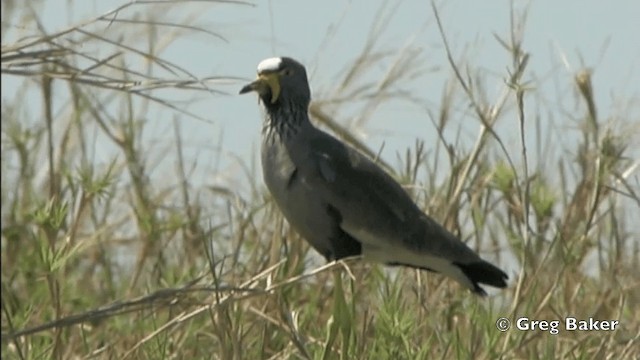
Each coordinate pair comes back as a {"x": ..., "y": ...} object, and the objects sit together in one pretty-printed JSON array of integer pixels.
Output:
[{"x": 264, "y": 82}]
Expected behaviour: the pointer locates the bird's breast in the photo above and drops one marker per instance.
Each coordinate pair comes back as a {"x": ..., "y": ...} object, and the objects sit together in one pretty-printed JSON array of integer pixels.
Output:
[{"x": 277, "y": 166}]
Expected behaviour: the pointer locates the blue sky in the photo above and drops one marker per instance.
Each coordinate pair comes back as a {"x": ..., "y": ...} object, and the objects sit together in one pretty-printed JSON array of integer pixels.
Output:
[{"x": 562, "y": 36}]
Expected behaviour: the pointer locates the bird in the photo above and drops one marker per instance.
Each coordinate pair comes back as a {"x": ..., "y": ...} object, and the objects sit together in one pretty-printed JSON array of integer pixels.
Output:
[{"x": 339, "y": 200}]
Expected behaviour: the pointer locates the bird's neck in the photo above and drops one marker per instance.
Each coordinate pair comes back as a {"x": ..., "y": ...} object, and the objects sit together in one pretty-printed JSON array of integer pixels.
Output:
[{"x": 285, "y": 120}]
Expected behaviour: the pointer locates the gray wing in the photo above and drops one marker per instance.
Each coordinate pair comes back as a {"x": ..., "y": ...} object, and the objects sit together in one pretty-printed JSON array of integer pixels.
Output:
[
  {"x": 375, "y": 210},
  {"x": 372, "y": 203}
]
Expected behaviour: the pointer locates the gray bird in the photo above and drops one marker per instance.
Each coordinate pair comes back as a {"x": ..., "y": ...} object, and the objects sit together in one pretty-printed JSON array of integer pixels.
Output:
[{"x": 341, "y": 201}]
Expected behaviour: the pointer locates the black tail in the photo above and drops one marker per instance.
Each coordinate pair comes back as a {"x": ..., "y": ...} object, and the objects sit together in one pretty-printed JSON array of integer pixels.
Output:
[{"x": 482, "y": 272}]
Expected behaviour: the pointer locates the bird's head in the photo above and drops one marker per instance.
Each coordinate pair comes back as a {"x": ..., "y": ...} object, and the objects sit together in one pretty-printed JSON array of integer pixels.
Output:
[{"x": 281, "y": 80}]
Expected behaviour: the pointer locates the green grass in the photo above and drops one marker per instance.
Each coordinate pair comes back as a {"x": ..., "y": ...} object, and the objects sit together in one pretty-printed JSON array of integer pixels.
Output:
[{"x": 107, "y": 260}]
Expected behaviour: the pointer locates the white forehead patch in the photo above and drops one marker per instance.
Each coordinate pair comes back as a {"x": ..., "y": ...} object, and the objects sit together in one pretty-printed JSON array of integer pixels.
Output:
[{"x": 270, "y": 64}]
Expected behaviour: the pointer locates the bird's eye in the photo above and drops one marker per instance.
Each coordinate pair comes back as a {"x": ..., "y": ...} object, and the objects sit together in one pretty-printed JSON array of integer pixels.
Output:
[{"x": 287, "y": 72}]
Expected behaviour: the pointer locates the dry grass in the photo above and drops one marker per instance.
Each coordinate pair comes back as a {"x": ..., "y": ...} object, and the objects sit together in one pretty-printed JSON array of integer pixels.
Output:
[{"x": 106, "y": 259}]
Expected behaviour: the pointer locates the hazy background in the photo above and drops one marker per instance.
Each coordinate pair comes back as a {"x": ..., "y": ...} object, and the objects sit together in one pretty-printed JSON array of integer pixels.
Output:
[
  {"x": 135, "y": 222},
  {"x": 563, "y": 36}
]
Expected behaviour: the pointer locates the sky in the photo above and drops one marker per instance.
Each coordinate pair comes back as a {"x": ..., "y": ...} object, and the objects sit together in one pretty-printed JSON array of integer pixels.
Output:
[{"x": 562, "y": 36}]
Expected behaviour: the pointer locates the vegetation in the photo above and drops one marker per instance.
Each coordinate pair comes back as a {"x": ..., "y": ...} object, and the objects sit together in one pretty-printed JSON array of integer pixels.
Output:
[{"x": 104, "y": 257}]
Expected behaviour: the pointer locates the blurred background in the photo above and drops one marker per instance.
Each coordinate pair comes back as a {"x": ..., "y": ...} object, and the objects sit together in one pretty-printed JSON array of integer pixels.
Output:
[{"x": 131, "y": 182}]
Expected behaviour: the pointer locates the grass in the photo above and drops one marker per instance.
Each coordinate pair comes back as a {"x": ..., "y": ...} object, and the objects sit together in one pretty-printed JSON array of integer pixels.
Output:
[{"x": 105, "y": 259}]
